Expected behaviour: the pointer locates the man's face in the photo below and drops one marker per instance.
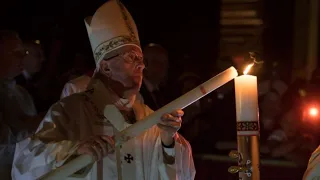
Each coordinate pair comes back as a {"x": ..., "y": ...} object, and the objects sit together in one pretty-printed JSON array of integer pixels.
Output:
[
  {"x": 157, "y": 64},
  {"x": 33, "y": 61},
  {"x": 12, "y": 54},
  {"x": 127, "y": 69}
]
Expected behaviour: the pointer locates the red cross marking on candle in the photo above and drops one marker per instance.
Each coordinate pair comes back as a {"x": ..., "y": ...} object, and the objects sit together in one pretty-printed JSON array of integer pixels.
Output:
[{"x": 203, "y": 90}]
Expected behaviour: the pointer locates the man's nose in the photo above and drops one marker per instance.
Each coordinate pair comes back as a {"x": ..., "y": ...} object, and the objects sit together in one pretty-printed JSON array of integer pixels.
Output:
[{"x": 140, "y": 66}]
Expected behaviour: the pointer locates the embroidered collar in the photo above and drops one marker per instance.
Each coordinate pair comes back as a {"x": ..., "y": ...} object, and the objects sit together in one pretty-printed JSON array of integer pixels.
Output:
[{"x": 100, "y": 96}]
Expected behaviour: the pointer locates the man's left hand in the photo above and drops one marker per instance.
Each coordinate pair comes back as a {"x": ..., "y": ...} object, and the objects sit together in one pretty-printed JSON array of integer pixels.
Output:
[{"x": 169, "y": 125}]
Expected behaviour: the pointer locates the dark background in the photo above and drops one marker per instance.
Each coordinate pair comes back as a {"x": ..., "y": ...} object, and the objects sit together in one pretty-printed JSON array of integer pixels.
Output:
[
  {"x": 185, "y": 28},
  {"x": 189, "y": 30}
]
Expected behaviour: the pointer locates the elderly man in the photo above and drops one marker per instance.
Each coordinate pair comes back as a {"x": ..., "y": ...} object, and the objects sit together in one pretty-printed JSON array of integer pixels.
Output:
[
  {"x": 157, "y": 59},
  {"x": 80, "y": 84},
  {"x": 77, "y": 125}
]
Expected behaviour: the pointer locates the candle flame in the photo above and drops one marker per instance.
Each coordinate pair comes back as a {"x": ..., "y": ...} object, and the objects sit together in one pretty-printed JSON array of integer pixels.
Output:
[{"x": 248, "y": 68}]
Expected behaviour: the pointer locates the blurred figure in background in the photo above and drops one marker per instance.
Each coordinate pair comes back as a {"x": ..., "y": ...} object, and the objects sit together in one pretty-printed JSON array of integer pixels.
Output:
[
  {"x": 12, "y": 53},
  {"x": 78, "y": 82},
  {"x": 81, "y": 65},
  {"x": 16, "y": 102},
  {"x": 187, "y": 82},
  {"x": 153, "y": 88},
  {"x": 34, "y": 59},
  {"x": 290, "y": 141},
  {"x": 198, "y": 120},
  {"x": 16, "y": 105},
  {"x": 271, "y": 89},
  {"x": 33, "y": 63},
  {"x": 191, "y": 128}
]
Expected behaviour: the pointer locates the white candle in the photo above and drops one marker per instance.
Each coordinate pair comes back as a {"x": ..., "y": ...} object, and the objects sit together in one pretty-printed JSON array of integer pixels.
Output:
[
  {"x": 246, "y": 93},
  {"x": 68, "y": 169},
  {"x": 247, "y": 105},
  {"x": 180, "y": 103}
]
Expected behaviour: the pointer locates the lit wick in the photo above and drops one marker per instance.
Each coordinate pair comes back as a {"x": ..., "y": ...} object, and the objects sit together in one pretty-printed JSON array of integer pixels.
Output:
[{"x": 248, "y": 68}]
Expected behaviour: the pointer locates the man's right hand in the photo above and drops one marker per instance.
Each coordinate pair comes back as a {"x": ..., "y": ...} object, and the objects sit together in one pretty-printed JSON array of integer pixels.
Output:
[{"x": 97, "y": 146}]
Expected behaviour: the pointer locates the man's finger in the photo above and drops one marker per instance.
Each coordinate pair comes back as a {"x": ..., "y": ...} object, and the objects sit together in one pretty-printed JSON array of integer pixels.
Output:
[
  {"x": 87, "y": 149},
  {"x": 171, "y": 118},
  {"x": 173, "y": 124},
  {"x": 97, "y": 151},
  {"x": 166, "y": 116},
  {"x": 109, "y": 140},
  {"x": 177, "y": 113},
  {"x": 167, "y": 128},
  {"x": 102, "y": 146}
]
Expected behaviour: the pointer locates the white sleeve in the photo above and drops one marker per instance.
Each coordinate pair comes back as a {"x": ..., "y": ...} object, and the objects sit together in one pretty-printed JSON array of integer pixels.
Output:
[
  {"x": 48, "y": 149},
  {"x": 183, "y": 167},
  {"x": 33, "y": 158},
  {"x": 313, "y": 169}
]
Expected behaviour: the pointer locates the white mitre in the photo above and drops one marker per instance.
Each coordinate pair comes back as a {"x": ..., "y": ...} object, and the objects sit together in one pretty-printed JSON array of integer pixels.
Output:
[{"x": 111, "y": 30}]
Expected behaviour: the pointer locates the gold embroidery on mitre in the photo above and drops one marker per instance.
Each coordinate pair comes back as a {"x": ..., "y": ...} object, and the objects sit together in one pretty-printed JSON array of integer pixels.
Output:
[
  {"x": 126, "y": 20},
  {"x": 112, "y": 44}
]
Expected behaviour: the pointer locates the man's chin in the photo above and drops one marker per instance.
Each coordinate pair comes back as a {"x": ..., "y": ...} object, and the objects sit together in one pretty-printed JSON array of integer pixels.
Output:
[
  {"x": 137, "y": 79},
  {"x": 133, "y": 84},
  {"x": 136, "y": 82}
]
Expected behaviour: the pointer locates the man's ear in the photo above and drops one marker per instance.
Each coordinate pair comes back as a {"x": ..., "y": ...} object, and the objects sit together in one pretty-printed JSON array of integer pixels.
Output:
[{"x": 104, "y": 68}]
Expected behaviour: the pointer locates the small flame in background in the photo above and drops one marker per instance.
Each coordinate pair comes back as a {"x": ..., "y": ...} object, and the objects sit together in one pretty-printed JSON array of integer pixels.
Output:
[
  {"x": 313, "y": 112},
  {"x": 248, "y": 68},
  {"x": 37, "y": 41}
]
